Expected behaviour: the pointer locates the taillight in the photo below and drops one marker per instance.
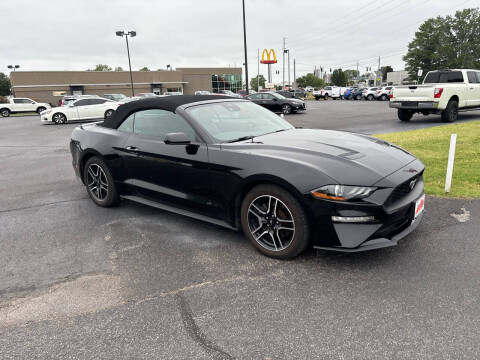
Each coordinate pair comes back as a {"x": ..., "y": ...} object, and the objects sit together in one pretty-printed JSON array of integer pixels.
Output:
[
  {"x": 391, "y": 94},
  {"x": 437, "y": 93}
]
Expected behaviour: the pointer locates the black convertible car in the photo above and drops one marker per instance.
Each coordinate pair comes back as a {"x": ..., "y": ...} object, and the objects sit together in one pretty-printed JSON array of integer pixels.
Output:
[{"x": 236, "y": 164}]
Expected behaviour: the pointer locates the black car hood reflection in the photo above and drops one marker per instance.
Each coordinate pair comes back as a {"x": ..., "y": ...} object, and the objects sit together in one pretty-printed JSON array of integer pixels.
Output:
[{"x": 348, "y": 158}]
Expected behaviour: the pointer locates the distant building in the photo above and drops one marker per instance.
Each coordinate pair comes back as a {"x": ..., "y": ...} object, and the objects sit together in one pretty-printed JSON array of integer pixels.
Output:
[
  {"x": 397, "y": 77},
  {"x": 50, "y": 86}
]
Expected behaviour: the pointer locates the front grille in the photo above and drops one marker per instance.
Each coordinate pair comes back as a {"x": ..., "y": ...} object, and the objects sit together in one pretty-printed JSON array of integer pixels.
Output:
[{"x": 403, "y": 190}]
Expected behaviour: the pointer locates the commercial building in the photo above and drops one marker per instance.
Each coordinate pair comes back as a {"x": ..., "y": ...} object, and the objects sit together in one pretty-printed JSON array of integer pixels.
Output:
[
  {"x": 50, "y": 86},
  {"x": 397, "y": 77}
]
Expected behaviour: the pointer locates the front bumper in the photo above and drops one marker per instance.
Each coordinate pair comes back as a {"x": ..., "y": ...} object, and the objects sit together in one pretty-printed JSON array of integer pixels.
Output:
[{"x": 299, "y": 106}]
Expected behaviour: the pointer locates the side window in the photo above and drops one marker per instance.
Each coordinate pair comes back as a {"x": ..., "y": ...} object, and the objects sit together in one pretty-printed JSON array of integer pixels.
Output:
[
  {"x": 159, "y": 123},
  {"x": 267, "y": 96},
  {"x": 97, "y": 101},
  {"x": 18, "y": 101},
  {"x": 82, "y": 102},
  {"x": 127, "y": 124},
  {"x": 472, "y": 78},
  {"x": 254, "y": 96}
]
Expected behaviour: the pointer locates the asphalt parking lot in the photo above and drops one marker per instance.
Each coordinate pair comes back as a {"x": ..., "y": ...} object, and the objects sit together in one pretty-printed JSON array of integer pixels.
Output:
[{"x": 80, "y": 281}]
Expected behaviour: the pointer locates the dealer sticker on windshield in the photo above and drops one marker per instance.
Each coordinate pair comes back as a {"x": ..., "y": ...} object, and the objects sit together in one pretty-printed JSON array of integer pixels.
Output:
[{"x": 419, "y": 206}]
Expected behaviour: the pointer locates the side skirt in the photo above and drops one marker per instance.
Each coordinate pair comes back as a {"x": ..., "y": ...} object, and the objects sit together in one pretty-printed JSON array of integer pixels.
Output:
[{"x": 179, "y": 211}]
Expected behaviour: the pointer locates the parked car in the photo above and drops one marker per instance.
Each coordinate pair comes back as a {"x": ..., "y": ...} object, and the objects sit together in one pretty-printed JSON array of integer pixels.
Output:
[
  {"x": 237, "y": 165},
  {"x": 292, "y": 94},
  {"x": 356, "y": 94},
  {"x": 369, "y": 93},
  {"x": 444, "y": 92},
  {"x": 202, "y": 92},
  {"x": 300, "y": 93},
  {"x": 22, "y": 105},
  {"x": 347, "y": 93},
  {"x": 67, "y": 99},
  {"x": 243, "y": 93},
  {"x": 276, "y": 102},
  {"x": 230, "y": 93},
  {"x": 383, "y": 93},
  {"x": 146, "y": 95},
  {"x": 115, "y": 97},
  {"x": 80, "y": 109}
]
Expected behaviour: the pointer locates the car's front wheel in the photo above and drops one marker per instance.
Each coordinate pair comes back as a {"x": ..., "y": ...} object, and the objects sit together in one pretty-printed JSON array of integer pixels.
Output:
[
  {"x": 370, "y": 97},
  {"x": 286, "y": 109},
  {"x": 108, "y": 113},
  {"x": 59, "y": 118},
  {"x": 358, "y": 97},
  {"x": 5, "y": 112},
  {"x": 274, "y": 221},
  {"x": 99, "y": 182}
]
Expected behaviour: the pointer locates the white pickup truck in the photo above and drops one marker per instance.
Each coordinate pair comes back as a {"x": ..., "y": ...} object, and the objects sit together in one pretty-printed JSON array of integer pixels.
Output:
[
  {"x": 334, "y": 92},
  {"x": 443, "y": 92},
  {"x": 22, "y": 105}
]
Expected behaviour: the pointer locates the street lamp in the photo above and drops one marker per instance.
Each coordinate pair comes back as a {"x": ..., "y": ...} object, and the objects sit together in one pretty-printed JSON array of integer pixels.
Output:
[
  {"x": 13, "y": 67},
  {"x": 245, "y": 47},
  {"x": 126, "y": 34}
]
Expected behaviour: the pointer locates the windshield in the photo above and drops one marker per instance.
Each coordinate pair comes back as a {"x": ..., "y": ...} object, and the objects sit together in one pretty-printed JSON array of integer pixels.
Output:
[
  {"x": 117, "y": 97},
  {"x": 229, "y": 121}
]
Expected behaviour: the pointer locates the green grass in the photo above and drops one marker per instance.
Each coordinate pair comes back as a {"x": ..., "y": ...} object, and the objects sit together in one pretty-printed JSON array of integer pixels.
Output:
[{"x": 431, "y": 147}]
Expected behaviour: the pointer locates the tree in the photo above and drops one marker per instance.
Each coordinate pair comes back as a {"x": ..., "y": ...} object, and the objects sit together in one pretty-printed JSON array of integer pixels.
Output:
[
  {"x": 352, "y": 74},
  {"x": 254, "y": 82},
  {"x": 445, "y": 42},
  {"x": 101, "y": 67},
  {"x": 118, "y": 68},
  {"x": 339, "y": 78},
  {"x": 4, "y": 85},
  {"x": 144, "y": 69},
  {"x": 310, "y": 80},
  {"x": 385, "y": 70}
]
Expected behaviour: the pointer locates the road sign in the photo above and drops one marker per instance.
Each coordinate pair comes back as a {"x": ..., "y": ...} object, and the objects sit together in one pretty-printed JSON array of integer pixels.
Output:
[{"x": 420, "y": 72}]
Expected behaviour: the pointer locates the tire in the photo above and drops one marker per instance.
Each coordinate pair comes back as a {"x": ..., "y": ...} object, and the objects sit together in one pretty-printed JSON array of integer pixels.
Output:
[
  {"x": 358, "y": 97},
  {"x": 450, "y": 114},
  {"x": 325, "y": 97},
  {"x": 404, "y": 115},
  {"x": 59, "y": 118},
  {"x": 40, "y": 109},
  {"x": 383, "y": 97},
  {"x": 370, "y": 97},
  {"x": 286, "y": 109},
  {"x": 285, "y": 222},
  {"x": 99, "y": 183},
  {"x": 108, "y": 114},
  {"x": 5, "y": 112}
]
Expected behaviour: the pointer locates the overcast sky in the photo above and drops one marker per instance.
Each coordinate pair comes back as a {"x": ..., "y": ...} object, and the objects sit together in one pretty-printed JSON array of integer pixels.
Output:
[{"x": 76, "y": 35}]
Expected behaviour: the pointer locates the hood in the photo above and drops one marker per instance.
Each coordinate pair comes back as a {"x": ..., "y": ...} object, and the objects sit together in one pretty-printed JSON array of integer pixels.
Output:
[{"x": 349, "y": 159}]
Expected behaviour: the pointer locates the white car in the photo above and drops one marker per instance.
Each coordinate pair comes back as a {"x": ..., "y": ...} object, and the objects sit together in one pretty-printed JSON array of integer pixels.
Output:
[
  {"x": 383, "y": 93},
  {"x": 81, "y": 109},
  {"x": 22, "y": 105},
  {"x": 369, "y": 93}
]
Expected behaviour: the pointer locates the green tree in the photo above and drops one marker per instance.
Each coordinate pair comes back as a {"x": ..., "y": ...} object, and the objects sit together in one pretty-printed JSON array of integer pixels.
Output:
[
  {"x": 118, "y": 68},
  {"x": 4, "y": 85},
  {"x": 339, "y": 78},
  {"x": 385, "y": 70},
  {"x": 101, "y": 67},
  {"x": 352, "y": 74},
  {"x": 254, "y": 82},
  {"x": 310, "y": 80},
  {"x": 144, "y": 69},
  {"x": 445, "y": 42}
]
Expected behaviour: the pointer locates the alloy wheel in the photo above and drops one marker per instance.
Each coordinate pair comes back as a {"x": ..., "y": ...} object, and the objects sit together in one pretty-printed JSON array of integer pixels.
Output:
[
  {"x": 286, "y": 109},
  {"x": 5, "y": 113},
  {"x": 97, "y": 182},
  {"x": 59, "y": 118},
  {"x": 271, "y": 223},
  {"x": 108, "y": 114}
]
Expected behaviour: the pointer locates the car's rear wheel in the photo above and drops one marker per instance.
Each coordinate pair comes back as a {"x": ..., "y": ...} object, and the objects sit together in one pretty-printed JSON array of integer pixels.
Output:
[
  {"x": 40, "y": 109},
  {"x": 450, "y": 114},
  {"x": 325, "y": 96},
  {"x": 404, "y": 115},
  {"x": 59, "y": 118},
  {"x": 274, "y": 221},
  {"x": 286, "y": 109},
  {"x": 370, "y": 97},
  {"x": 358, "y": 97},
  {"x": 99, "y": 183},
  {"x": 108, "y": 113},
  {"x": 383, "y": 97},
  {"x": 5, "y": 112}
]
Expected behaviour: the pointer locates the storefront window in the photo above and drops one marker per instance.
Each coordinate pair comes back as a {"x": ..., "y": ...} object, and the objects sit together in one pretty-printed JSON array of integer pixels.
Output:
[{"x": 226, "y": 82}]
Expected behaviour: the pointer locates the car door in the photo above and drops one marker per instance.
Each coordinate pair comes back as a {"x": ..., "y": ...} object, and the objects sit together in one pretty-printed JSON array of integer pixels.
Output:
[
  {"x": 176, "y": 174},
  {"x": 271, "y": 102},
  {"x": 21, "y": 105},
  {"x": 473, "y": 88},
  {"x": 256, "y": 98},
  {"x": 97, "y": 107},
  {"x": 79, "y": 109}
]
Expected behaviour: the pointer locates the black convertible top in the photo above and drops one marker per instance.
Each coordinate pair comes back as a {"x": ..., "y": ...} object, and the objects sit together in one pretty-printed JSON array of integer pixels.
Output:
[{"x": 169, "y": 103}]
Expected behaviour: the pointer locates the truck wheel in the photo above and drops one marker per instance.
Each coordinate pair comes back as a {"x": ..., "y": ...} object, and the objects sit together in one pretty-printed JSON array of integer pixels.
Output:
[
  {"x": 40, "y": 109},
  {"x": 404, "y": 115},
  {"x": 450, "y": 114},
  {"x": 5, "y": 112}
]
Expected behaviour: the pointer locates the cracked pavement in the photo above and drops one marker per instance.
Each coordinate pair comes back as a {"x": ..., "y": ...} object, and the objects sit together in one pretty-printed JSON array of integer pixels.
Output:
[{"x": 81, "y": 282}]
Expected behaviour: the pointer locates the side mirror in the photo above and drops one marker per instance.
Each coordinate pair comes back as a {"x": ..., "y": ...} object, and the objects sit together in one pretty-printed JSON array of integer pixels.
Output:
[
  {"x": 275, "y": 99},
  {"x": 177, "y": 139}
]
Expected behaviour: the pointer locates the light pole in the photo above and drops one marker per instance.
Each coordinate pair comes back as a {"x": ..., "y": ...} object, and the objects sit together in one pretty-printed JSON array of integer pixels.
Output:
[
  {"x": 126, "y": 34},
  {"x": 245, "y": 47},
  {"x": 14, "y": 67}
]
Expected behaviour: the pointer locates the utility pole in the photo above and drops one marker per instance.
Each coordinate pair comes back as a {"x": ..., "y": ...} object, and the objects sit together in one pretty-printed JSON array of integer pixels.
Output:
[
  {"x": 358, "y": 74},
  {"x": 245, "y": 46},
  {"x": 294, "y": 75},
  {"x": 289, "y": 83},
  {"x": 258, "y": 69},
  {"x": 378, "y": 70},
  {"x": 283, "y": 63}
]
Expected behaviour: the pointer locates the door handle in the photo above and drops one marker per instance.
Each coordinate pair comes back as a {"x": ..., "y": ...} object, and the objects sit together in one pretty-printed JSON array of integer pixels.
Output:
[{"x": 131, "y": 148}]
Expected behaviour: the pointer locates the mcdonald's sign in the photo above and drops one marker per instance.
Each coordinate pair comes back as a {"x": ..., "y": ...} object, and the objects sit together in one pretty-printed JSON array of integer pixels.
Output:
[{"x": 271, "y": 58}]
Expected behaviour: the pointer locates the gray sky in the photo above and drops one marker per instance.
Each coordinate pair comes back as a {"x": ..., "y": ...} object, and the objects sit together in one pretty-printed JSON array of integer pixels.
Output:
[{"x": 76, "y": 35}]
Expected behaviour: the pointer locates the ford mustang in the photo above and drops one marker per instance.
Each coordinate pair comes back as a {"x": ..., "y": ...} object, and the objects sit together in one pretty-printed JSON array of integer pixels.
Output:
[{"x": 236, "y": 164}]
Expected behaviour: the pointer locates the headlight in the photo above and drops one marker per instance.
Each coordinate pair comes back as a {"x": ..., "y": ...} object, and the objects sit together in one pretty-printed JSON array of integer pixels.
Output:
[
  {"x": 45, "y": 112},
  {"x": 342, "y": 192}
]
